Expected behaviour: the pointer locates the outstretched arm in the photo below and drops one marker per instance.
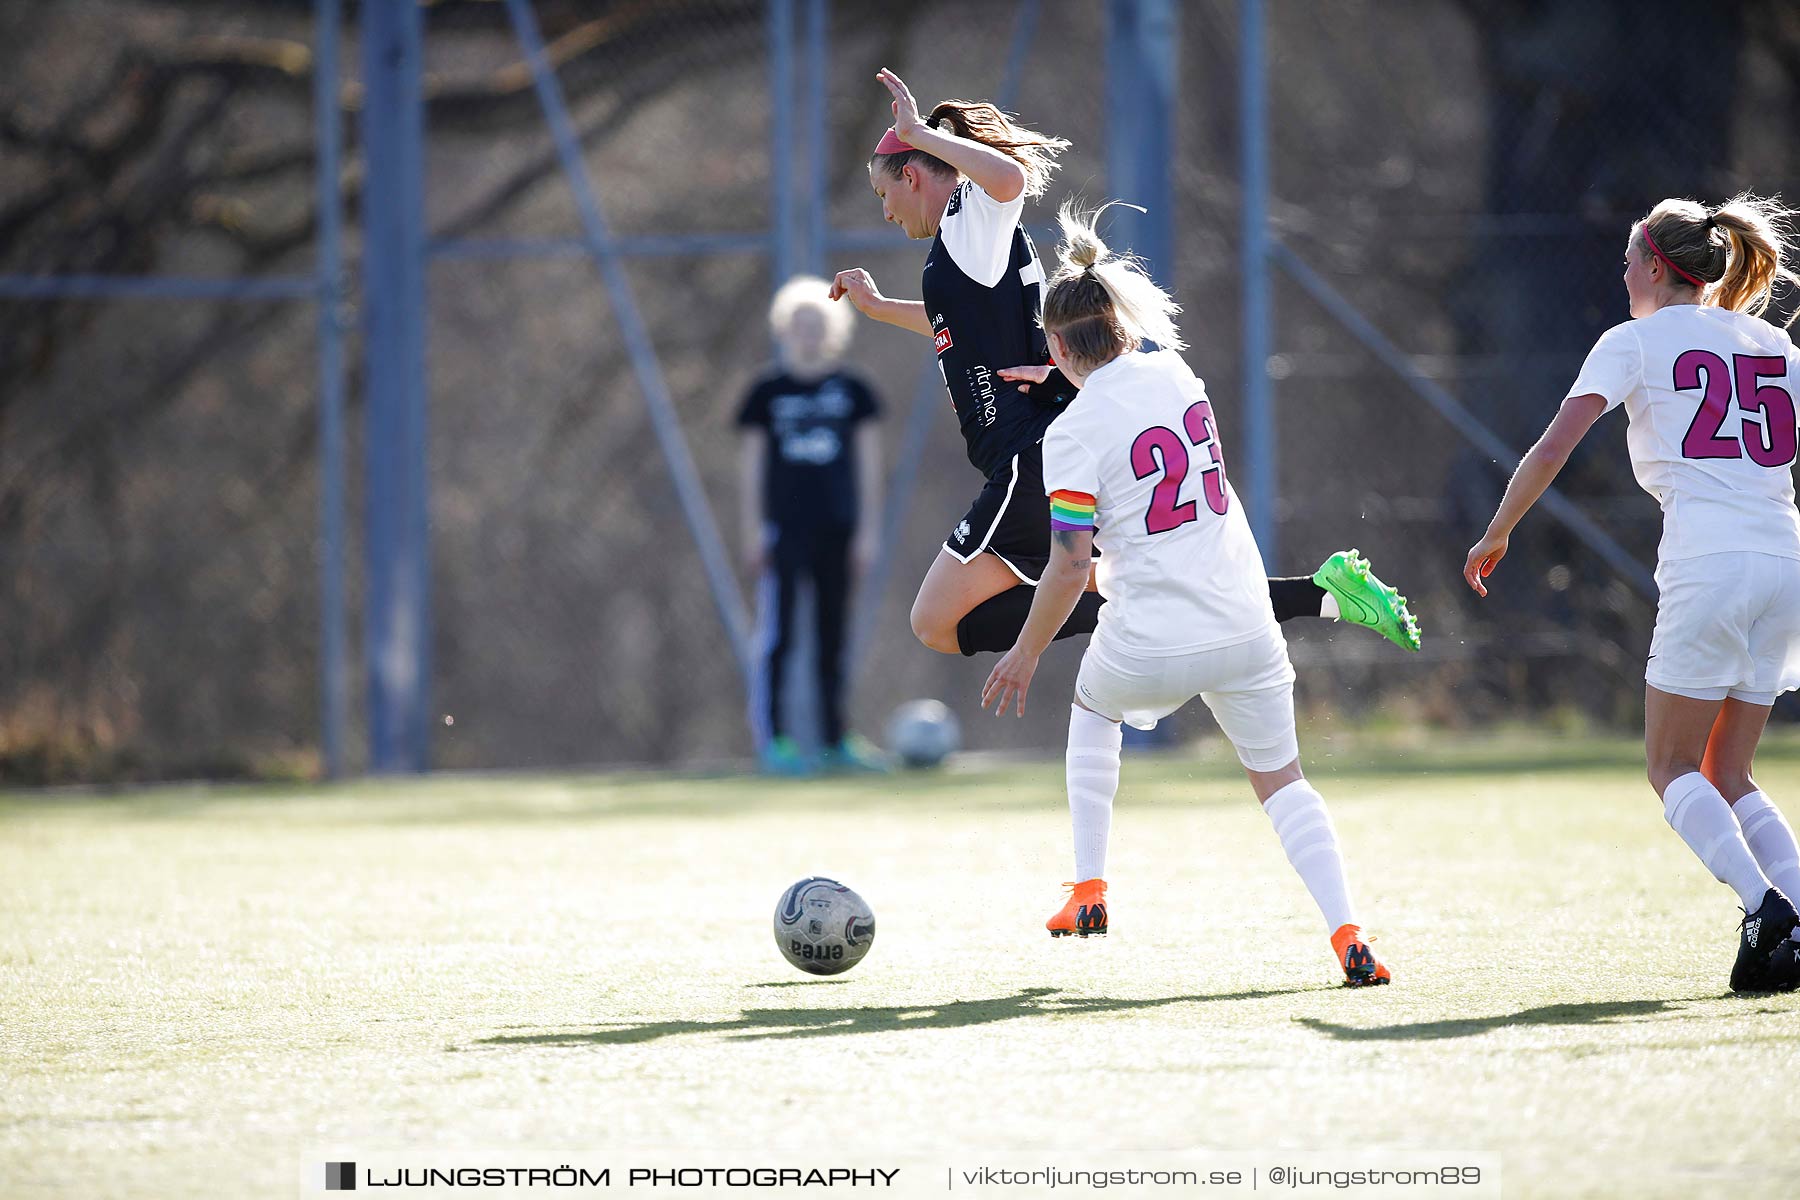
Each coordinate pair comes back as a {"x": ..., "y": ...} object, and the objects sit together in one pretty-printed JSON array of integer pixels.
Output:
[
  {"x": 993, "y": 172},
  {"x": 859, "y": 287},
  {"x": 1537, "y": 470},
  {"x": 1071, "y": 558}
]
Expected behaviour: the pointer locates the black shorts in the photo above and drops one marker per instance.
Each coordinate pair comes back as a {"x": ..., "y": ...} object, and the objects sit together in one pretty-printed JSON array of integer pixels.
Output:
[{"x": 1010, "y": 519}]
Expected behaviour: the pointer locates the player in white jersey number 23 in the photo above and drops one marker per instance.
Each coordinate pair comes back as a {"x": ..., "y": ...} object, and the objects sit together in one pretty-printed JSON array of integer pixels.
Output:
[{"x": 1134, "y": 466}]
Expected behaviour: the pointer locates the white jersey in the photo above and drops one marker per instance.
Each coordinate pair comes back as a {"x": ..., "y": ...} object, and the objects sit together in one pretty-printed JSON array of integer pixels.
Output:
[
  {"x": 1710, "y": 396},
  {"x": 1179, "y": 567}
]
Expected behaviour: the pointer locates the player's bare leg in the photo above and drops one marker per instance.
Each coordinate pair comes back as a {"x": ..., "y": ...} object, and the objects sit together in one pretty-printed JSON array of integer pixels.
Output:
[
  {"x": 1676, "y": 731},
  {"x": 950, "y": 590},
  {"x": 1730, "y": 750},
  {"x": 1731, "y": 747},
  {"x": 953, "y": 590}
]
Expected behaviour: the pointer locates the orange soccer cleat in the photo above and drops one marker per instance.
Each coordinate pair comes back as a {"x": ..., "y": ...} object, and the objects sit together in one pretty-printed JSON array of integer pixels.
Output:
[
  {"x": 1084, "y": 914},
  {"x": 1361, "y": 967}
]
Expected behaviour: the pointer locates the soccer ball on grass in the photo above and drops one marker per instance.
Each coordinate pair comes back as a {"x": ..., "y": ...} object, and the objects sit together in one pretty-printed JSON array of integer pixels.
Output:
[
  {"x": 922, "y": 733},
  {"x": 823, "y": 927}
]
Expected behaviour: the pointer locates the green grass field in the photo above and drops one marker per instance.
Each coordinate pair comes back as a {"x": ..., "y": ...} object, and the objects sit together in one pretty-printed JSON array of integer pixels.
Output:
[{"x": 197, "y": 984}]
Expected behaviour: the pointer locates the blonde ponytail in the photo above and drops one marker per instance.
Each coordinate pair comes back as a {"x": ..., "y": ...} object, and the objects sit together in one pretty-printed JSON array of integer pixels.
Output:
[
  {"x": 1081, "y": 246},
  {"x": 1102, "y": 304},
  {"x": 1734, "y": 255},
  {"x": 1759, "y": 233}
]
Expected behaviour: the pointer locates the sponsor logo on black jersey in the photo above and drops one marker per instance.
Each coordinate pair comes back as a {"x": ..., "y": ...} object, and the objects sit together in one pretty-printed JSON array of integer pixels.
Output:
[
  {"x": 941, "y": 339},
  {"x": 981, "y": 387}
]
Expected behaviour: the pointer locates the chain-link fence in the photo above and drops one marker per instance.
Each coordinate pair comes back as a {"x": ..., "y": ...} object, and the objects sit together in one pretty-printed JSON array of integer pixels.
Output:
[
  {"x": 1466, "y": 175},
  {"x": 158, "y": 457},
  {"x": 1461, "y": 173}
]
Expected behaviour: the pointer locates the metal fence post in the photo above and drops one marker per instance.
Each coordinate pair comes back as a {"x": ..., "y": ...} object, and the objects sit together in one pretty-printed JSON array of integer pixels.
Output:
[
  {"x": 1140, "y": 94},
  {"x": 1259, "y": 389},
  {"x": 781, "y": 139},
  {"x": 397, "y": 609},
  {"x": 818, "y": 76},
  {"x": 328, "y": 126}
]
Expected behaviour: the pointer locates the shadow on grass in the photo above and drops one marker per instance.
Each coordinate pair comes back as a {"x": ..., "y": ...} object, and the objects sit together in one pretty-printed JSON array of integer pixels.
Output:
[
  {"x": 1600, "y": 1012},
  {"x": 805, "y": 983},
  {"x": 761, "y": 1024}
]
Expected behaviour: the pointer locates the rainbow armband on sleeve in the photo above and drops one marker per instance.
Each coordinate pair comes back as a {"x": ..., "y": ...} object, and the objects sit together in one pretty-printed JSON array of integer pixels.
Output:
[{"x": 1071, "y": 510}]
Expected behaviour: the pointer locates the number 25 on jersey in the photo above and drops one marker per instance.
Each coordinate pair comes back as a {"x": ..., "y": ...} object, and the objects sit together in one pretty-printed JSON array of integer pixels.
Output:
[
  {"x": 1768, "y": 403},
  {"x": 1160, "y": 448}
]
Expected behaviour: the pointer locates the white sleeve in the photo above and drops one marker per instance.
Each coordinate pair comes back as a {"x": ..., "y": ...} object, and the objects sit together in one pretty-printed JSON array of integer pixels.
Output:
[
  {"x": 1614, "y": 367},
  {"x": 1068, "y": 465},
  {"x": 977, "y": 231}
]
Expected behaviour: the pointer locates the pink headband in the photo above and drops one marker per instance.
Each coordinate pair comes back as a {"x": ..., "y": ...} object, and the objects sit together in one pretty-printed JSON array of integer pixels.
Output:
[
  {"x": 1657, "y": 250},
  {"x": 890, "y": 143}
]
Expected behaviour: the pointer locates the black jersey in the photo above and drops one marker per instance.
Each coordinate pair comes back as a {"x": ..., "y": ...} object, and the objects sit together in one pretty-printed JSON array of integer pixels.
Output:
[
  {"x": 809, "y": 476},
  {"x": 984, "y": 289}
]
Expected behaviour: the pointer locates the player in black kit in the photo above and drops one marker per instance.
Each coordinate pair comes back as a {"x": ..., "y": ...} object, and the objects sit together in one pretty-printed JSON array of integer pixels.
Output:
[
  {"x": 808, "y": 465},
  {"x": 962, "y": 178}
]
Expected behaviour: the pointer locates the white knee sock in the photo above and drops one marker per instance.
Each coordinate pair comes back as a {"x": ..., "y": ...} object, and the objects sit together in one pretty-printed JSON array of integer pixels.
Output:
[
  {"x": 1695, "y": 810},
  {"x": 1771, "y": 841},
  {"x": 1310, "y": 839},
  {"x": 1092, "y": 762}
]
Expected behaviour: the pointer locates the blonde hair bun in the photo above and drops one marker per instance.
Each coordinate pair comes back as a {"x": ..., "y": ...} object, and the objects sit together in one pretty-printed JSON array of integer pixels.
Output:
[{"x": 1102, "y": 304}]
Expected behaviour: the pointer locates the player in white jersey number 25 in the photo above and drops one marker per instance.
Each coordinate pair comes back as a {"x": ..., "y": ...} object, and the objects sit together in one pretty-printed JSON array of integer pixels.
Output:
[
  {"x": 1708, "y": 388},
  {"x": 1134, "y": 466}
]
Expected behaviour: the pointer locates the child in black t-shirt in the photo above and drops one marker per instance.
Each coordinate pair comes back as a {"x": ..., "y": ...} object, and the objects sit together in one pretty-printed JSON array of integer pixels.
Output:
[{"x": 810, "y": 466}]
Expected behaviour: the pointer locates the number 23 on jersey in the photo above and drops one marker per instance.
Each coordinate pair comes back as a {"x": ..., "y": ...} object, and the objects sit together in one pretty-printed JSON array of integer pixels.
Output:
[{"x": 1160, "y": 448}]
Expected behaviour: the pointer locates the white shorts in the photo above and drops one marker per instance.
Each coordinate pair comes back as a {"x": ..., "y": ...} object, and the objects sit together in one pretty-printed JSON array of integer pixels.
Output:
[
  {"x": 1727, "y": 625},
  {"x": 1248, "y": 686}
]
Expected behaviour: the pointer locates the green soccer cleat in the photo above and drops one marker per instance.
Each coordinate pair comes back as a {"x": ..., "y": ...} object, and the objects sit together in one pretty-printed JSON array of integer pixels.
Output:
[
  {"x": 782, "y": 757},
  {"x": 854, "y": 755},
  {"x": 1365, "y": 600}
]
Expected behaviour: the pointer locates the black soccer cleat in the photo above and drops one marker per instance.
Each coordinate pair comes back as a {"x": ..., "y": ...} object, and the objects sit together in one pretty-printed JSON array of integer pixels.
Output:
[
  {"x": 1758, "y": 936},
  {"x": 1783, "y": 971}
]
